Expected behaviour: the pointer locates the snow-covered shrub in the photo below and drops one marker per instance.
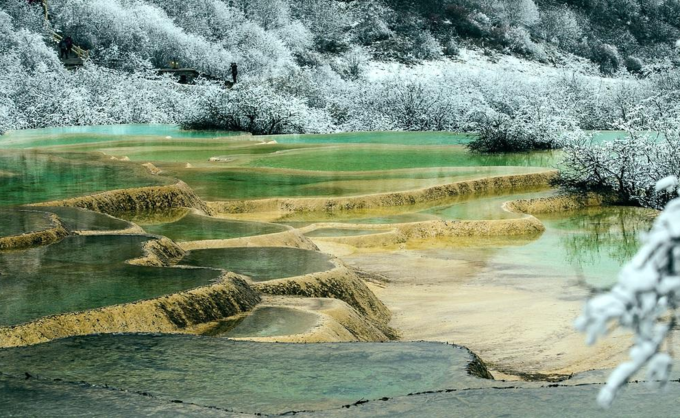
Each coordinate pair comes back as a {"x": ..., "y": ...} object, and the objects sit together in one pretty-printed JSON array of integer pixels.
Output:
[
  {"x": 451, "y": 48},
  {"x": 608, "y": 58},
  {"x": 560, "y": 26},
  {"x": 520, "y": 41},
  {"x": 373, "y": 24},
  {"x": 523, "y": 130},
  {"x": 625, "y": 170},
  {"x": 633, "y": 64},
  {"x": 520, "y": 12},
  {"x": 644, "y": 300},
  {"x": 352, "y": 63},
  {"x": 24, "y": 15},
  {"x": 254, "y": 108}
]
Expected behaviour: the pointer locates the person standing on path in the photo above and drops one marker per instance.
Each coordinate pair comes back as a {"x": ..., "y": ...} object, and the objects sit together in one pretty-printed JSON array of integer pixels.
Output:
[
  {"x": 234, "y": 71},
  {"x": 69, "y": 46},
  {"x": 63, "y": 50}
]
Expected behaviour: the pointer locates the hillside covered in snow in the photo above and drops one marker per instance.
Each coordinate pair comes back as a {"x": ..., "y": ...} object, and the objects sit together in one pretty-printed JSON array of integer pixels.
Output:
[{"x": 328, "y": 65}]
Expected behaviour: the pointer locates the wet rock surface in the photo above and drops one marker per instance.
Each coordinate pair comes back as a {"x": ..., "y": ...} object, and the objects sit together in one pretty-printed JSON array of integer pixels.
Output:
[{"x": 246, "y": 376}]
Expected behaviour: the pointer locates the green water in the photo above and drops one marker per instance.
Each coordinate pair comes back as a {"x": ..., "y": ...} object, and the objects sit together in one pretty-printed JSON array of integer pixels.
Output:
[
  {"x": 467, "y": 207},
  {"x": 39, "y": 177},
  {"x": 485, "y": 207},
  {"x": 51, "y": 137},
  {"x": 272, "y": 321},
  {"x": 84, "y": 272},
  {"x": 246, "y": 376},
  {"x": 587, "y": 247},
  {"x": 17, "y": 222},
  {"x": 261, "y": 263},
  {"x": 339, "y": 232},
  {"x": 375, "y": 157},
  {"x": 395, "y": 138},
  {"x": 188, "y": 151},
  {"x": 243, "y": 183},
  {"x": 197, "y": 227},
  {"x": 75, "y": 219}
]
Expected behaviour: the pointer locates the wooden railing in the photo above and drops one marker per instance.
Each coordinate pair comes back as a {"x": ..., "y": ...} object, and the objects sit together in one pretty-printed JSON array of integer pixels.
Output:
[{"x": 83, "y": 54}]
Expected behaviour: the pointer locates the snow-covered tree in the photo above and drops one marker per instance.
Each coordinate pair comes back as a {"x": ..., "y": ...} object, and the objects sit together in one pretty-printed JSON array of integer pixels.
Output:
[{"x": 644, "y": 300}]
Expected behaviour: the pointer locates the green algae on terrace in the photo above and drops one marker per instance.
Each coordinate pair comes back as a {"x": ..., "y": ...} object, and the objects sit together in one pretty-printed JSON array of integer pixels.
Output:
[
  {"x": 261, "y": 263},
  {"x": 192, "y": 227},
  {"x": 246, "y": 376},
  {"x": 85, "y": 272}
]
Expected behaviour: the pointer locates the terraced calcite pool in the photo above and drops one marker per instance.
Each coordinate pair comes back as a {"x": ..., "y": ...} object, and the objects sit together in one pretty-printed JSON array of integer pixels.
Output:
[
  {"x": 33, "y": 177},
  {"x": 261, "y": 263},
  {"x": 246, "y": 376},
  {"x": 340, "y": 232},
  {"x": 17, "y": 222},
  {"x": 273, "y": 321},
  {"x": 192, "y": 227},
  {"x": 224, "y": 183},
  {"x": 85, "y": 272},
  {"x": 431, "y": 279},
  {"x": 466, "y": 207},
  {"x": 75, "y": 219}
]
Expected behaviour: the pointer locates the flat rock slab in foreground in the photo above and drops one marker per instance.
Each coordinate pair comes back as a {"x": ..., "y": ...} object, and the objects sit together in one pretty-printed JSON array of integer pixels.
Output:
[
  {"x": 245, "y": 376},
  {"x": 638, "y": 400}
]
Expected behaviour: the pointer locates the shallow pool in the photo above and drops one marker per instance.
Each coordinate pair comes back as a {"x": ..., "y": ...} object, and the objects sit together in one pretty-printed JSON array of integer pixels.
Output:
[
  {"x": 21, "y": 221},
  {"x": 84, "y": 272},
  {"x": 261, "y": 263},
  {"x": 41, "y": 177},
  {"x": 273, "y": 321},
  {"x": 193, "y": 227}
]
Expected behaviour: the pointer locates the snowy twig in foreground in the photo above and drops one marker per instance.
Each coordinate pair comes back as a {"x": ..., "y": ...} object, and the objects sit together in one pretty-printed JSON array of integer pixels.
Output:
[{"x": 643, "y": 300}]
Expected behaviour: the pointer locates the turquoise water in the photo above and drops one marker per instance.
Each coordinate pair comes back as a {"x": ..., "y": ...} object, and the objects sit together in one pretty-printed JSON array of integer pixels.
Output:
[
  {"x": 587, "y": 247},
  {"x": 384, "y": 157},
  {"x": 197, "y": 227},
  {"x": 40, "y": 177},
  {"x": 261, "y": 263},
  {"x": 246, "y": 376},
  {"x": 396, "y": 138},
  {"x": 485, "y": 207},
  {"x": 84, "y": 272},
  {"x": 50, "y": 137}
]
